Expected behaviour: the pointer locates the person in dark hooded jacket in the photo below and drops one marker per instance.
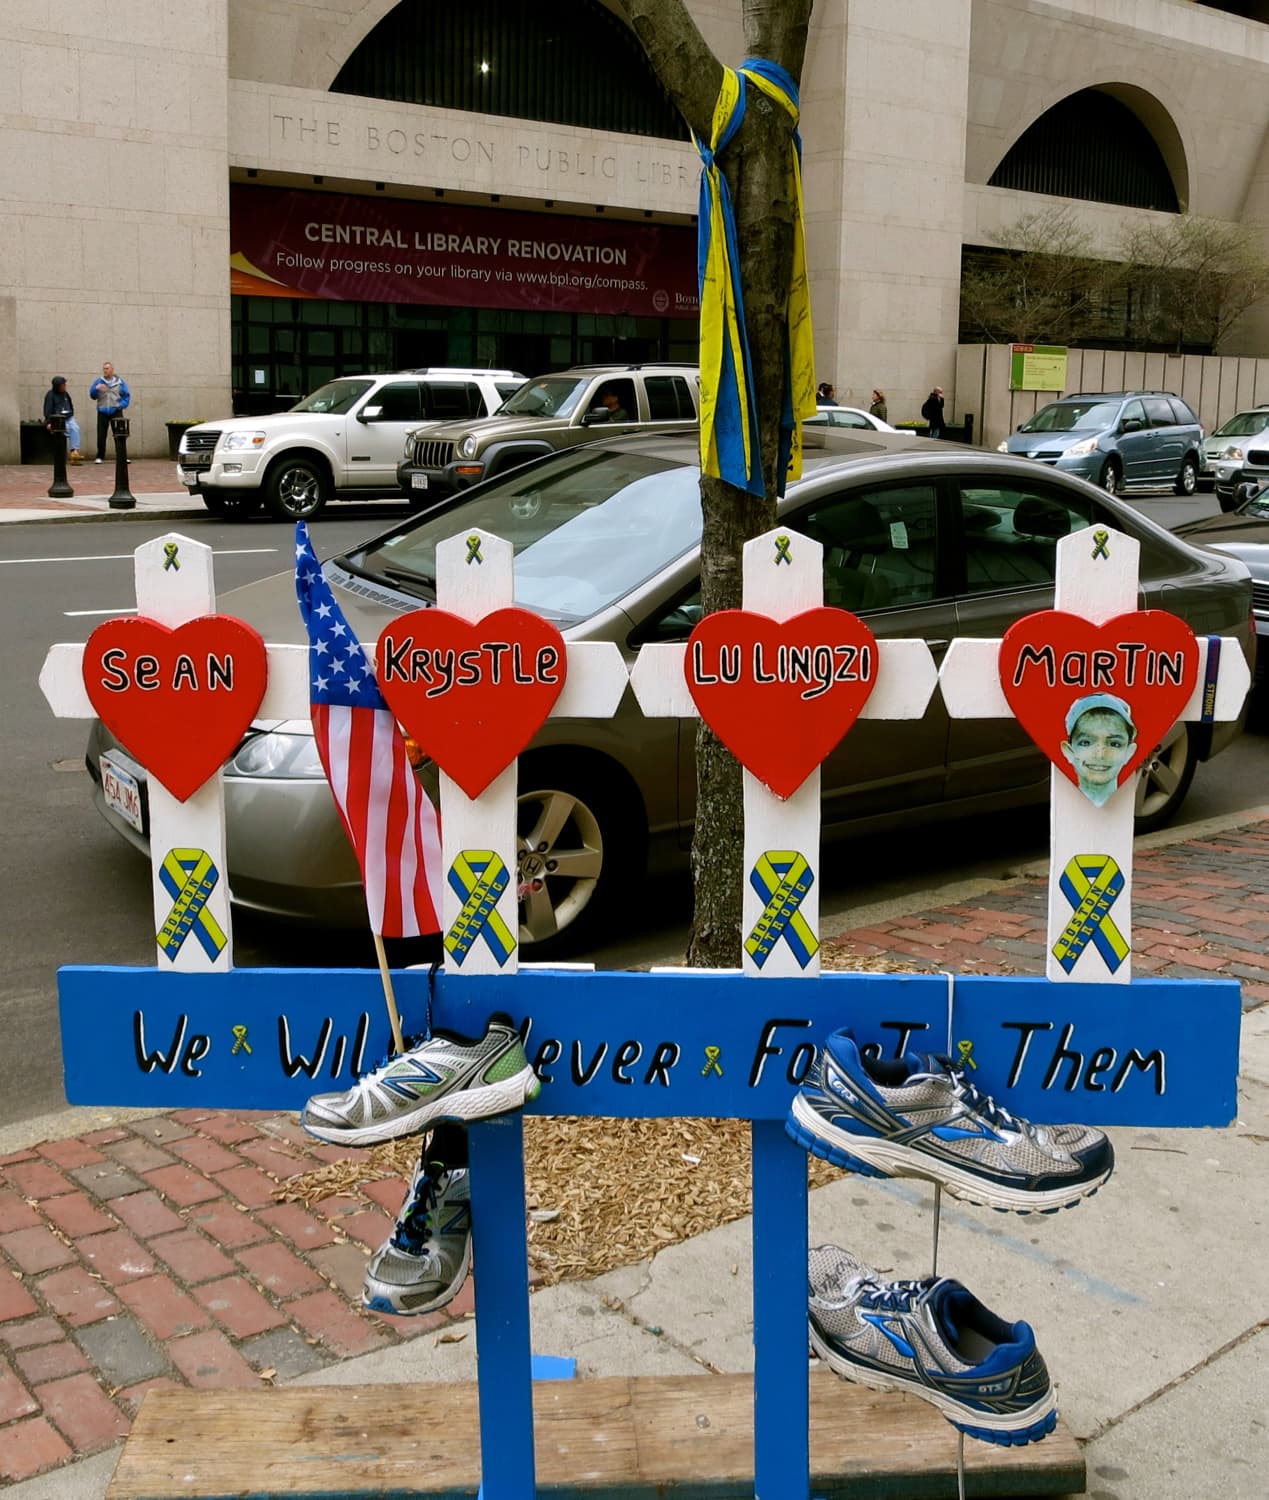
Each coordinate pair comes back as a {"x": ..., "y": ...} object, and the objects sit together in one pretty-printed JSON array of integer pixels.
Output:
[{"x": 58, "y": 403}]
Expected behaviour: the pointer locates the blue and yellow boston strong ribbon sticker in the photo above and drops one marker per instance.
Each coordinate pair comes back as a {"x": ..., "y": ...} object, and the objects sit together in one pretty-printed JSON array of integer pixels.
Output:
[
  {"x": 480, "y": 878},
  {"x": 782, "y": 878},
  {"x": 1092, "y": 884},
  {"x": 189, "y": 876}
]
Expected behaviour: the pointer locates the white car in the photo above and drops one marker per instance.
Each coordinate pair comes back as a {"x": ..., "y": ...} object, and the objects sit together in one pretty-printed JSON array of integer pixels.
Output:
[
  {"x": 847, "y": 416},
  {"x": 342, "y": 442}
]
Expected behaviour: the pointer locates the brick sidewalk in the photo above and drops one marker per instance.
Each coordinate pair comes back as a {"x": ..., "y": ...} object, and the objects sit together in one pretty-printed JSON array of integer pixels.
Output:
[
  {"x": 154, "y": 1253},
  {"x": 26, "y": 485}
]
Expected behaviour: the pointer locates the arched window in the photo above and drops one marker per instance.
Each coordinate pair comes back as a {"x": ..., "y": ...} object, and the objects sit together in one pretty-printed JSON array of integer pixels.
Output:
[
  {"x": 574, "y": 64},
  {"x": 1090, "y": 146}
]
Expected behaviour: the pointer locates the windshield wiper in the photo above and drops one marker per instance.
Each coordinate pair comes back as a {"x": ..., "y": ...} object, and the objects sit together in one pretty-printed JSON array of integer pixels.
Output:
[{"x": 418, "y": 584}]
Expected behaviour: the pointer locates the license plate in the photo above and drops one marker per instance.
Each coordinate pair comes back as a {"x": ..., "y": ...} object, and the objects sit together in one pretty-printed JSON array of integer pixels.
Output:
[
  {"x": 122, "y": 793},
  {"x": 418, "y": 481}
]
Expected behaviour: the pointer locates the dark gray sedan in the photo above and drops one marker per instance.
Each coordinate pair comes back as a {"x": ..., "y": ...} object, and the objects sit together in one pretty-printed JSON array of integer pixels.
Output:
[{"x": 928, "y": 541}]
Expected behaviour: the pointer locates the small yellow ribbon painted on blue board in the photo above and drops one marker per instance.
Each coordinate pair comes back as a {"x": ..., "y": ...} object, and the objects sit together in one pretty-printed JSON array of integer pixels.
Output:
[{"x": 729, "y": 418}]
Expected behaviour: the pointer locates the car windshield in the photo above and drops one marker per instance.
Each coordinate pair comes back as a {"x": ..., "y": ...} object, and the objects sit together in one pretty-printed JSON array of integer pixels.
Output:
[
  {"x": 335, "y": 396},
  {"x": 586, "y": 529},
  {"x": 1257, "y": 506},
  {"x": 1066, "y": 416},
  {"x": 1245, "y": 424},
  {"x": 554, "y": 396}
]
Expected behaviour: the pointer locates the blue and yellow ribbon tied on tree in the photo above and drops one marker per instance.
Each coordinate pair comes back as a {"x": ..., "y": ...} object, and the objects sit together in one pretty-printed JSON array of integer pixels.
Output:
[
  {"x": 189, "y": 876},
  {"x": 1092, "y": 884},
  {"x": 729, "y": 415},
  {"x": 480, "y": 878},
  {"x": 782, "y": 878}
]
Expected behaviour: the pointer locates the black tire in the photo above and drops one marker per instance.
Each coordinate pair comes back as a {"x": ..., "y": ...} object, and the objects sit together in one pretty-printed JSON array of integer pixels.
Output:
[
  {"x": 297, "y": 487},
  {"x": 214, "y": 501},
  {"x": 581, "y": 845},
  {"x": 1187, "y": 479},
  {"x": 1165, "y": 779},
  {"x": 1111, "y": 479},
  {"x": 232, "y": 505}
]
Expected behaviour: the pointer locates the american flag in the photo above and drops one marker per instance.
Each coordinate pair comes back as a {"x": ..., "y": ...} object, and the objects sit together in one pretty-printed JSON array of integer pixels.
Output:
[{"x": 387, "y": 815}]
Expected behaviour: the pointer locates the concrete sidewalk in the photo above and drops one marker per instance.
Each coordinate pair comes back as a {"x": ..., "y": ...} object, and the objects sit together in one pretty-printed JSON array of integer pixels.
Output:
[{"x": 151, "y": 1251}]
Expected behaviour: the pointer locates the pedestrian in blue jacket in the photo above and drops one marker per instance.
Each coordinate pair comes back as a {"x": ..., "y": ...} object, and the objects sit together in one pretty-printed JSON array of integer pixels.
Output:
[{"x": 111, "y": 393}]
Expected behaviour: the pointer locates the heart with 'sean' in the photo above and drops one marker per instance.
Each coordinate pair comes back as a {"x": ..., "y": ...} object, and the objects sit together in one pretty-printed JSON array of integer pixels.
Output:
[
  {"x": 178, "y": 699},
  {"x": 1055, "y": 665},
  {"x": 781, "y": 694},
  {"x": 472, "y": 694}
]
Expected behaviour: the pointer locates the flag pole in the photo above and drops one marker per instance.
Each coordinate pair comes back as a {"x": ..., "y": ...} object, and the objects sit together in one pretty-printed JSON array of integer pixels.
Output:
[{"x": 389, "y": 997}]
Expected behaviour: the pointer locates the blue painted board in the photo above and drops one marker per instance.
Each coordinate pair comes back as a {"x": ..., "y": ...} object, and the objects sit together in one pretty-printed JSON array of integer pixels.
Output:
[{"x": 1153, "y": 1053}]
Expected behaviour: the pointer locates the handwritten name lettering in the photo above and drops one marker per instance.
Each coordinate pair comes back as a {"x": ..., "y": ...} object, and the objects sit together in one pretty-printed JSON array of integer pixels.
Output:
[
  {"x": 1088, "y": 1070},
  {"x": 1129, "y": 664},
  {"x": 445, "y": 669},
  {"x": 218, "y": 672},
  {"x": 817, "y": 667}
]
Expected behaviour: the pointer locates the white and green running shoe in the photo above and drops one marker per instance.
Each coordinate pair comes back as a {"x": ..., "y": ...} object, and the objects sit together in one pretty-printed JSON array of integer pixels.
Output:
[
  {"x": 448, "y": 1077},
  {"x": 422, "y": 1265}
]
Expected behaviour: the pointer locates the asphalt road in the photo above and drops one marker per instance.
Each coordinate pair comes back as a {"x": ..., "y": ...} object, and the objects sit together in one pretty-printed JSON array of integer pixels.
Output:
[{"x": 74, "y": 892}]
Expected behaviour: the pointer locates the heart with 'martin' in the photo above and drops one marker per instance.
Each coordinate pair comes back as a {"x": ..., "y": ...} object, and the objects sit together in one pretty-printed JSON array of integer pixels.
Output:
[
  {"x": 1134, "y": 674},
  {"x": 471, "y": 694},
  {"x": 177, "y": 699},
  {"x": 780, "y": 694}
]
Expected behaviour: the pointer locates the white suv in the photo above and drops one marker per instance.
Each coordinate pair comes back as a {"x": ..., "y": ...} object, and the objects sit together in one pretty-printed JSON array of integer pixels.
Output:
[{"x": 342, "y": 442}]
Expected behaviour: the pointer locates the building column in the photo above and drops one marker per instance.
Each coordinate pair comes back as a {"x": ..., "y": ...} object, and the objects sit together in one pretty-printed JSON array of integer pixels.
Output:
[{"x": 885, "y": 103}]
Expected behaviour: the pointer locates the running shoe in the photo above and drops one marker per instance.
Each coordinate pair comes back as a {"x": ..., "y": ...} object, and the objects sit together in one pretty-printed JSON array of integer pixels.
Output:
[
  {"x": 921, "y": 1117},
  {"x": 424, "y": 1262},
  {"x": 934, "y": 1339},
  {"x": 447, "y": 1077}
]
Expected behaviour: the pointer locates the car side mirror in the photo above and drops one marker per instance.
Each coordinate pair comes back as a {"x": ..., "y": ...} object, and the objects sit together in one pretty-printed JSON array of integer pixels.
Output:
[
  {"x": 591, "y": 417},
  {"x": 369, "y": 413},
  {"x": 1131, "y": 424}
]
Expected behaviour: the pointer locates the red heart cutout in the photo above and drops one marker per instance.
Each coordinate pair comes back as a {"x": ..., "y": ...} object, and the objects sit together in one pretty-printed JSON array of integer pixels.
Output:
[
  {"x": 769, "y": 689},
  {"x": 1146, "y": 661},
  {"x": 472, "y": 694},
  {"x": 179, "y": 700}
]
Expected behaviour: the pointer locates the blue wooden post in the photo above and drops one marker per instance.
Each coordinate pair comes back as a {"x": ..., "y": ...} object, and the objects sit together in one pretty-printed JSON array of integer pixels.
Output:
[
  {"x": 504, "y": 1357},
  {"x": 781, "y": 1400}
]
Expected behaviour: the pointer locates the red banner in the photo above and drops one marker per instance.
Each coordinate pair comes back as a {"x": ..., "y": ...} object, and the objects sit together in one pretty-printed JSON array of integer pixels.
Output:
[{"x": 346, "y": 249}]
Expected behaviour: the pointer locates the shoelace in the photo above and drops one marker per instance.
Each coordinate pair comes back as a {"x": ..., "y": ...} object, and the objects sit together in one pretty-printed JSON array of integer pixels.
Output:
[
  {"x": 367, "y": 1075},
  {"x": 885, "y": 1296},
  {"x": 415, "y": 1228},
  {"x": 982, "y": 1104}
]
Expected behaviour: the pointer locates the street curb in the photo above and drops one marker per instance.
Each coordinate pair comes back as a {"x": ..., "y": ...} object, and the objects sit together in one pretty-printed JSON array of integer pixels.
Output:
[{"x": 138, "y": 514}]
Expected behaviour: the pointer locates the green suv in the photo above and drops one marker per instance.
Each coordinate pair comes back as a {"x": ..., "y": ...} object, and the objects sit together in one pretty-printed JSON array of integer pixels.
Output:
[{"x": 546, "y": 415}]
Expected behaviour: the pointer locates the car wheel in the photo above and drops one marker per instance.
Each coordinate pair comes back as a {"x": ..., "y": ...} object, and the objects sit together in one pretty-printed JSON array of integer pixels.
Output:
[
  {"x": 297, "y": 488},
  {"x": 526, "y": 507},
  {"x": 1187, "y": 479},
  {"x": 1164, "y": 779},
  {"x": 214, "y": 501},
  {"x": 579, "y": 846},
  {"x": 1110, "y": 479}
]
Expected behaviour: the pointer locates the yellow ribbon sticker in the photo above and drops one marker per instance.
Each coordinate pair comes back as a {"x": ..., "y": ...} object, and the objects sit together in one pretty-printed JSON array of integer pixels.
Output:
[
  {"x": 241, "y": 1044},
  {"x": 964, "y": 1056},
  {"x": 190, "y": 876},
  {"x": 480, "y": 878},
  {"x": 1091, "y": 883},
  {"x": 712, "y": 1065},
  {"x": 782, "y": 878}
]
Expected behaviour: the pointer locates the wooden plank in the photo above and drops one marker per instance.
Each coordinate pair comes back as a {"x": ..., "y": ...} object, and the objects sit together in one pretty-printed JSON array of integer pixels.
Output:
[{"x": 628, "y": 1437}]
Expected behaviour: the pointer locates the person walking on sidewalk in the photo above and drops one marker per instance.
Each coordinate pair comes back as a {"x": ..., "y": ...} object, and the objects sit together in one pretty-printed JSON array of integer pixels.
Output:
[
  {"x": 111, "y": 393},
  {"x": 932, "y": 411},
  {"x": 878, "y": 407},
  {"x": 58, "y": 403}
]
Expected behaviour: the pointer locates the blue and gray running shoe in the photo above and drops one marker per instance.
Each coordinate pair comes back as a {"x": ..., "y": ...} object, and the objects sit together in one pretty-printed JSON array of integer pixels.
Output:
[
  {"x": 934, "y": 1339},
  {"x": 446, "y": 1077},
  {"x": 424, "y": 1262},
  {"x": 921, "y": 1117}
]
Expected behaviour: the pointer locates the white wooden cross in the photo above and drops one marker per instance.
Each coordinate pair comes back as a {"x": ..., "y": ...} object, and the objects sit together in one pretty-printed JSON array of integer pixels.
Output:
[
  {"x": 783, "y": 577},
  {"x": 1097, "y": 581},
  {"x": 174, "y": 584},
  {"x": 595, "y": 681}
]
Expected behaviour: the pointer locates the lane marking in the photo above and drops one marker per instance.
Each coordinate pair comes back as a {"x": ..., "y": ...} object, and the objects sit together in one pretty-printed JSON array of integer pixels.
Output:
[
  {"x": 127, "y": 556},
  {"x": 127, "y": 609}
]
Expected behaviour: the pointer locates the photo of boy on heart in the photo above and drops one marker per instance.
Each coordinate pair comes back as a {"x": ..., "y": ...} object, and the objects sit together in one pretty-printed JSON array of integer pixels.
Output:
[{"x": 1100, "y": 741}]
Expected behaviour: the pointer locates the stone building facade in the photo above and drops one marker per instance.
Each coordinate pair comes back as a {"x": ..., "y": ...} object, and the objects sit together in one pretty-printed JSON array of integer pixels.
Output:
[{"x": 126, "y": 126}]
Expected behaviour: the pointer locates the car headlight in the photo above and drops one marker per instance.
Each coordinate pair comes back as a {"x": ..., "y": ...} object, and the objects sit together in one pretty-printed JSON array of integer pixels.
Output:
[
  {"x": 1235, "y": 453},
  {"x": 1079, "y": 450},
  {"x": 236, "y": 440},
  {"x": 283, "y": 757},
  {"x": 1003, "y": 447},
  {"x": 467, "y": 448}
]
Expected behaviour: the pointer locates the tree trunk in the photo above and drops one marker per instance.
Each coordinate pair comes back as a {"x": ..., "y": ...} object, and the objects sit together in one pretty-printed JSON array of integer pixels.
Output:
[{"x": 755, "y": 166}]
